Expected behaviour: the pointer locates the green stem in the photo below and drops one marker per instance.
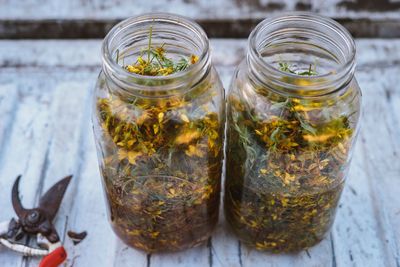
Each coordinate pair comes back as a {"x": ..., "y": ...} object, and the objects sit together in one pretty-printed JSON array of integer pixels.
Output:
[{"x": 149, "y": 48}]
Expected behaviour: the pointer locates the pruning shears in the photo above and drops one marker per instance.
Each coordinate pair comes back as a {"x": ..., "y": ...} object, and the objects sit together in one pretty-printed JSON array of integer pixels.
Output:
[{"x": 36, "y": 222}]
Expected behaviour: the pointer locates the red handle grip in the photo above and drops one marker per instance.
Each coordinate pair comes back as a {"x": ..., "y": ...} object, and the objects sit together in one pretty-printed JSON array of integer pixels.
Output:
[{"x": 55, "y": 258}]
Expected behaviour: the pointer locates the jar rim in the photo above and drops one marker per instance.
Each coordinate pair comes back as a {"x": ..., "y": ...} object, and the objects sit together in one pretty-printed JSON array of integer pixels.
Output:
[
  {"x": 175, "y": 20},
  {"x": 341, "y": 73}
]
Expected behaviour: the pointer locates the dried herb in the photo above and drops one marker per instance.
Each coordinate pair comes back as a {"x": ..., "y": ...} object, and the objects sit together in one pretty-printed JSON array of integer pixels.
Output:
[
  {"x": 162, "y": 159},
  {"x": 285, "y": 67},
  {"x": 153, "y": 61},
  {"x": 77, "y": 237},
  {"x": 285, "y": 168}
]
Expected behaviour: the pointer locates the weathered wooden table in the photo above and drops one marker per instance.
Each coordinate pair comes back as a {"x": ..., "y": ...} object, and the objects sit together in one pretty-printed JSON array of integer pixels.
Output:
[
  {"x": 45, "y": 129},
  {"x": 45, "y": 133}
]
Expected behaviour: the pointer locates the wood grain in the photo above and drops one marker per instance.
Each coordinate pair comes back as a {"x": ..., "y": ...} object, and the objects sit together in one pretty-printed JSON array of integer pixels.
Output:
[{"x": 45, "y": 134}]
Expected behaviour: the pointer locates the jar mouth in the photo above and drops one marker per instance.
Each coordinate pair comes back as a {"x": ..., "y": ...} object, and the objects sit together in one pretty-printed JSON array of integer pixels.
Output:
[
  {"x": 133, "y": 31},
  {"x": 305, "y": 30}
]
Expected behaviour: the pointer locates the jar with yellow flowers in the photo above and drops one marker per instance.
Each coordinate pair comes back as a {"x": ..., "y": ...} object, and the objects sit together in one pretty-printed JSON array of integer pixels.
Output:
[
  {"x": 293, "y": 112},
  {"x": 159, "y": 124}
]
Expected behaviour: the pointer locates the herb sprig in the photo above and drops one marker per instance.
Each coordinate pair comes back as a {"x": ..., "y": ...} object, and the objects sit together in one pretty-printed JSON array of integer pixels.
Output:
[
  {"x": 286, "y": 158},
  {"x": 153, "y": 61},
  {"x": 285, "y": 67},
  {"x": 162, "y": 156}
]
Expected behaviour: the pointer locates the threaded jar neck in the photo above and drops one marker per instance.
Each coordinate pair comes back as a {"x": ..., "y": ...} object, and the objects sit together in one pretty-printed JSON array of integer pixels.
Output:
[
  {"x": 180, "y": 37},
  {"x": 302, "y": 41}
]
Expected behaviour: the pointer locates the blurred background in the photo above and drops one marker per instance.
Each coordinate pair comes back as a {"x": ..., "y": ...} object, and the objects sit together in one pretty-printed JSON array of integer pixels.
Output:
[{"x": 220, "y": 18}]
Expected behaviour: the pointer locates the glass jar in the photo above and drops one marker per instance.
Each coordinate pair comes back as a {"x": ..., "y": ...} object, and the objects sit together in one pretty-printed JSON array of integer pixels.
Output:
[
  {"x": 159, "y": 138},
  {"x": 293, "y": 111}
]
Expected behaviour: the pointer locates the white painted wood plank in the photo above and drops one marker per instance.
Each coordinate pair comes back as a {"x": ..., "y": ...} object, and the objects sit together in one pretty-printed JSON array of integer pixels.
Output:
[
  {"x": 380, "y": 153},
  {"x": 8, "y": 108},
  {"x": 72, "y": 55},
  {"x": 363, "y": 233},
  {"x": 126, "y": 256},
  {"x": 8, "y": 102},
  {"x": 64, "y": 156},
  {"x": 23, "y": 153},
  {"x": 356, "y": 237},
  {"x": 198, "y": 256},
  {"x": 393, "y": 98},
  {"x": 225, "y": 249},
  {"x": 87, "y": 213},
  {"x": 75, "y": 55},
  {"x": 198, "y": 9}
]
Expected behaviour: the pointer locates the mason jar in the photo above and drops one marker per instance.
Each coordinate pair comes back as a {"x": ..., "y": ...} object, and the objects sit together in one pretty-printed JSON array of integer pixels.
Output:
[
  {"x": 293, "y": 112},
  {"x": 159, "y": 138}
]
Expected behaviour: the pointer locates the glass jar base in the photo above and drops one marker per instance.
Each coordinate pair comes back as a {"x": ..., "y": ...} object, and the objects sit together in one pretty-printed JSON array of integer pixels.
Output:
[
  {"x": 158, "y": 246},
  {"x": 282, "y": 248},
  {"x": 279, "y": 246}
]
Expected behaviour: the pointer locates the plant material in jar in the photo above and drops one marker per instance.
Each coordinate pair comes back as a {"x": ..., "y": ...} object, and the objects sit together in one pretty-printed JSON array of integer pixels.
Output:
[
  {"x": 162, "y": 160},
  {"x": 153, "y": 61},
  {"x": 285, "y": 170}
]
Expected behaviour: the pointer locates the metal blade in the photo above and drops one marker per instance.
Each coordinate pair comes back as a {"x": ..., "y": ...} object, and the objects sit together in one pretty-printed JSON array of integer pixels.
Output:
[
  {"x": 51, "y": 201},
  {"x": 16, "y": 201}
]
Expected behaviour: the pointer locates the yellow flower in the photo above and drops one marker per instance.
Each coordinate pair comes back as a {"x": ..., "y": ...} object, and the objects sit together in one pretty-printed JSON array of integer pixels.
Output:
[
  {"x": 141, "y": 60},
  {"x": 317, "y": 138},
  {"x": 172, "y": 193},
  {"x": 194, "y": 151},
  {"x": 308, "y": 107},
  {"x": 133, "y": 69},
  {"x": 134, "y": 232},
  {"x": 342, "y": 148},
  {"x": 160, "y": 51},
  {"x": 108, "y": 160},
  {"x": 130, "y": 155},
  {"x": 160, "y": 116},
  {"x": 185, "y": 118},
  {"x": 131, "y": 142},
  {"x": 154, "y": 234},
  {"x": 166, "y": 71},
  {"x": 258, "y": 132},
  {"x": 207, "y": 191},
  {"x": 187, "y": 136},
  {"x": 265, "y": 245},
  {"x": 122, "y": 154},
  {"x": 142, "y": 118},
  {"x": 289, "y": 178},
  {"x": 155, "y": 128},
  {"x": 193, "y": 59},
  {"x": 253, "y": 224}
]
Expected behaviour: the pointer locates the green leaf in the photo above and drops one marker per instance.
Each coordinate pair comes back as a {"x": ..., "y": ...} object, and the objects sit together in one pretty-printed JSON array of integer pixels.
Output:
[
  {"x": 280, "y": 105},
  {"x": 308, "y": 127}
]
